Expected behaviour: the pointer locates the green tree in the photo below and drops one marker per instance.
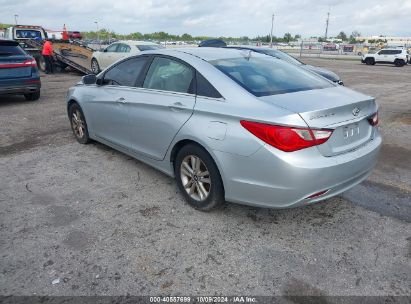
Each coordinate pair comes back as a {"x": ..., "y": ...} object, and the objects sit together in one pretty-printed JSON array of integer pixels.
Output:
[
  {"x": 342, "y": 36},
  {"x": 287, "y": 37}
]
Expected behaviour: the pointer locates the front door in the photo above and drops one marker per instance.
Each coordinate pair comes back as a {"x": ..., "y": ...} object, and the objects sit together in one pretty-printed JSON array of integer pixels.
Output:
[{"x": 108, "y": 112}]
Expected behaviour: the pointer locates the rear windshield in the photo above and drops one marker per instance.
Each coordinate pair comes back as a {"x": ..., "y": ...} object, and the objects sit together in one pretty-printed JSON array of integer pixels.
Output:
[
  {"x": 11, "y": 50},
  {"x": 262, "y": 75},
  {"x": 282, "y": 56},
  {"x": 29, "y": 34},
  {"x": 148, "y": 47}
]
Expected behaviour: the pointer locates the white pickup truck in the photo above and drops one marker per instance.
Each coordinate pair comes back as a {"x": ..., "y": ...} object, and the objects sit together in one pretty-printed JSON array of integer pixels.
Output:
[{"x": 397, "y": 56}]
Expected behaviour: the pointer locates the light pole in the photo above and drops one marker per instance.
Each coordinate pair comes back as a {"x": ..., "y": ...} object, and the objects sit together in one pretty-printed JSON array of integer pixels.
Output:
[
  {"x": 15, "y": 18},
  {"x": 271, "y": 35},
  {"x": 98, "y": 35}
]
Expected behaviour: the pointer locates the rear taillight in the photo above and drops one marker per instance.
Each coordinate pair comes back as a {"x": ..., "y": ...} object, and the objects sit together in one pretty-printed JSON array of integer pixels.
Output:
[
  {"x": 373, "y": 119},
  {"x": 30, "y": 62},
  {"x": 287, "y": 139},
  {"x": 27, "y": 63}
]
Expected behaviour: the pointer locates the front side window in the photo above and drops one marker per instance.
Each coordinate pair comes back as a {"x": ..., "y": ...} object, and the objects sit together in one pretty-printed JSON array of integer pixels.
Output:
[
  {"x": 383, "y": 52},
  {"x": 126, "y": 72},
  {"x": 123, "y": 48},
  {"x": 262, "y": 76},
  {"x": 168, "y": 75},
  {"x": 112, "y": 48}
]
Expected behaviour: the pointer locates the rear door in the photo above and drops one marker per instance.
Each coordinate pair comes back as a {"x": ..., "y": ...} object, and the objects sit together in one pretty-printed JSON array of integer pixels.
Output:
[
  {"x": 108, "y": 56},
  {"x": 161, "y": 106},
  {"x": 123, "y": 50}
]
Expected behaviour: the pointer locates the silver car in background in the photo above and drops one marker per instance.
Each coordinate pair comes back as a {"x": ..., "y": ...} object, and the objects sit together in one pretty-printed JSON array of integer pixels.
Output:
[{"x": 231, "y": 125}]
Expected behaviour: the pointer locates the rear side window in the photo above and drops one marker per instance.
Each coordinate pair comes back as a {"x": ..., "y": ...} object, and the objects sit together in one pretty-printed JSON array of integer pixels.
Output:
[
  {"x": 204, "y": 88},
  {"x": 395, "y": 52},
  {"x": 148, "y": 47},
  {"x": 126, "y": 72},
  {"x": 11, "y": 50},
  {"x": 168, "y": 75}
]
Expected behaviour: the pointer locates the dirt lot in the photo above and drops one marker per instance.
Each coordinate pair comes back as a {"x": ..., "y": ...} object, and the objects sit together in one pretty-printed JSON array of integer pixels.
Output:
[{"x": 106, "y": 224}]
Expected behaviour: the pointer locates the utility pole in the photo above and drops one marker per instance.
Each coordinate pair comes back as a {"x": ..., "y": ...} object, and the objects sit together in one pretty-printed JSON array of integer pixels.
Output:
[
  {"x": 271, "y": 35},
  {"x": 326, "y": 25},
  {"x": 15, "y": 18},
  {"x": 98, "y": 35}
]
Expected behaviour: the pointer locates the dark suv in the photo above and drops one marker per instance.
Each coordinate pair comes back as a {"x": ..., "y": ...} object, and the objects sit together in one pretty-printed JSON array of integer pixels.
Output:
[{"x": 18, "y": 71}]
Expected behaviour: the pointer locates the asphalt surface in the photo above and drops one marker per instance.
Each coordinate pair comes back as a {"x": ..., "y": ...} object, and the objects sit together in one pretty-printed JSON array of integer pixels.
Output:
[{"x": 94, "y": 221}]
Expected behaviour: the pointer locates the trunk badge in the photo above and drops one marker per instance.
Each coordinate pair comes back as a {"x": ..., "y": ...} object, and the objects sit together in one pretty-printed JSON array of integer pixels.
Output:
[{"x": 356, "y": 111}]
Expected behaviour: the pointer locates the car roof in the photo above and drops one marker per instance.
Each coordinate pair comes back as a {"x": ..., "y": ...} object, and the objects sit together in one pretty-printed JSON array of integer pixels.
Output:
[
  {"x": 134, "y": 42},
  {"x": 206, "y": 53}
]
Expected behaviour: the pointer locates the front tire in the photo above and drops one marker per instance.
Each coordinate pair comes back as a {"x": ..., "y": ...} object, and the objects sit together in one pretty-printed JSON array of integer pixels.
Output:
[
  {"x": 369, "y": 61},
  {"x": 78, "y": 124},
  {"x": 198, "y": 178},
  {"x": 95, "y": 67},
  {"x": 32, "y": 96}
]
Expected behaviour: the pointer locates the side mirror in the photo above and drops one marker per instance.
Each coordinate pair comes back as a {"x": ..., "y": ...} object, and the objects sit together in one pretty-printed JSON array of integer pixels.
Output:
[
  {"x": 105, "y": 51},
  {"x": 89, "y": 79}
]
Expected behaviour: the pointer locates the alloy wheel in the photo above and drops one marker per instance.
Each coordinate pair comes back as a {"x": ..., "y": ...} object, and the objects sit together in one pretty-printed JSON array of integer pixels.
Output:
[
  {"x": 78, "y": 124},
  {"x": 195, "y": 177}
]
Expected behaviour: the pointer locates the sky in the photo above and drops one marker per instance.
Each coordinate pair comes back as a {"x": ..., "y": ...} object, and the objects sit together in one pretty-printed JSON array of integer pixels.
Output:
[{"x": 216, "y": 18}]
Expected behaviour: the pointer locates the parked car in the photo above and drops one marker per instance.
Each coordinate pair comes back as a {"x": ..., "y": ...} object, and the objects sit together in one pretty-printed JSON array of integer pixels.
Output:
[
  {"x": 75, "y": 35},
  {"x": 212, "y": 43},
  {"x": 396, "y": 56},
  {"x": 117, "y": 50},
  {"x": 245, "y": 128},
  {"x": 18, "y": 71},
  {"x": 284, "y": 56}
]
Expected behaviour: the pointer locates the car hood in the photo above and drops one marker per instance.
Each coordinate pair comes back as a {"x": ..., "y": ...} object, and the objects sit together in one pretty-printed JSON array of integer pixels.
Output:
[{"x": 323, "y": 72}]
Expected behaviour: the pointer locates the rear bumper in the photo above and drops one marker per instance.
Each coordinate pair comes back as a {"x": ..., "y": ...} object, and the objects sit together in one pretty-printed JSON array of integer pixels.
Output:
[
  {"x": 23, "y": 86},
  {"x": 19, "y": 89},
  {"x": 276, "y": 179}
]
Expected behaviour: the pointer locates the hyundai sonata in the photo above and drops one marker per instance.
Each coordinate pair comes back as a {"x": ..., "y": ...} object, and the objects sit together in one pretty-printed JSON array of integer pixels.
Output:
[{"x": 231, "y": 125}]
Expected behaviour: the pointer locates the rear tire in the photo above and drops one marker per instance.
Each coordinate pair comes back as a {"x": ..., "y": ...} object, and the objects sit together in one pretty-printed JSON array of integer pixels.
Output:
[
  {"x": 41, "y": 63},
  {"x": 95, "y": 67},
  {"x": 78, "y": 124},
  {"x": 32, "y": 96},
  {"x": 369, "y": 61},
  {"x": 198, "y": 178},
  {"x": 399, "y": 62}
]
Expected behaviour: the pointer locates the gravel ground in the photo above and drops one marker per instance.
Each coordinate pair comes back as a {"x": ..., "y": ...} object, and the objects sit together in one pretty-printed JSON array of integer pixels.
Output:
[{"x": 103, "y": 223}]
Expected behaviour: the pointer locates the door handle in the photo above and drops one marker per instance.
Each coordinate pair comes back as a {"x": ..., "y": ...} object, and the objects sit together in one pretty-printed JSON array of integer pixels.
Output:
[
  {"x": 121, "y": 100},
  {"x": 177, "y": 106}
]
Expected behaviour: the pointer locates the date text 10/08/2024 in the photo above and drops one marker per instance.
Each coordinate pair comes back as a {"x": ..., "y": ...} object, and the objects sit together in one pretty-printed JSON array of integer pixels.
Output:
[{"x": 219, "y": 299}]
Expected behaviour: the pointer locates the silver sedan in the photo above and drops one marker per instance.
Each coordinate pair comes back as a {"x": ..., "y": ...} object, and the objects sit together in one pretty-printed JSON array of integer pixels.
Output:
[{"x": 231, "y": 125}]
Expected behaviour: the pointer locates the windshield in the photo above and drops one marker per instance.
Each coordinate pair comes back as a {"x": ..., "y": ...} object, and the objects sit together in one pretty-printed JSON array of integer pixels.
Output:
[
  {"x": 264, "y": 76},
  {"x": 282, "y": 56},
  {"x": 148, "y": 47}
]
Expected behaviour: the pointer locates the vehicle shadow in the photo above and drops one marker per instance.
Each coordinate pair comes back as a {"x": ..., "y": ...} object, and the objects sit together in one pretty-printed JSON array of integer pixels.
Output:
[{"x": 6, "y": 100}]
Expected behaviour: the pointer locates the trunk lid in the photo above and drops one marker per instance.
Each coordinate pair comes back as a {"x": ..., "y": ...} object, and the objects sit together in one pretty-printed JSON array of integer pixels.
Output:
[
  {"x": 12, "y": 67},
  {"x": 338, "y": 108}
]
